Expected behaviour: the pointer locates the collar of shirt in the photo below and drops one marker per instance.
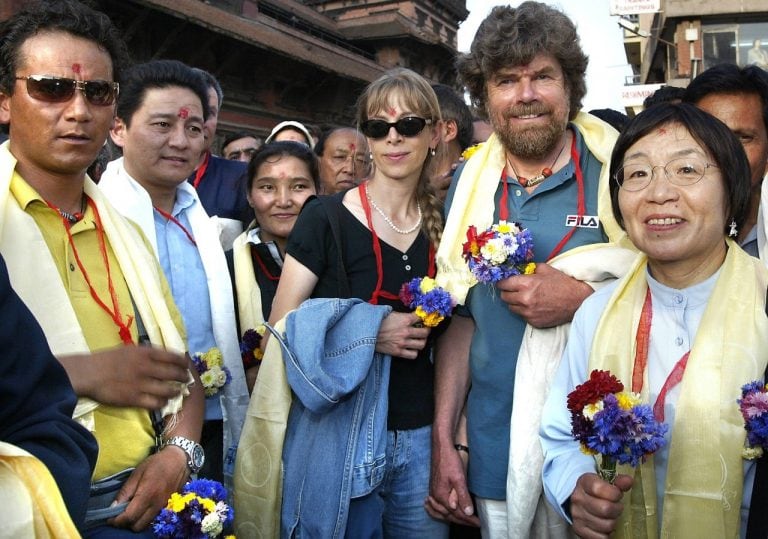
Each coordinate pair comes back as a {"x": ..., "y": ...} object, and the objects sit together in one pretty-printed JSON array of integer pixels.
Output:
[
  {"x": 693, "y": 296},
  {"x": 253, "y": 237}
]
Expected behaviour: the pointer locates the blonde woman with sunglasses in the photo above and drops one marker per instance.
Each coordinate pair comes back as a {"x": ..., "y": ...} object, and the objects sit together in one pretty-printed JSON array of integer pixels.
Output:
[{"x": 387, "y": 231}]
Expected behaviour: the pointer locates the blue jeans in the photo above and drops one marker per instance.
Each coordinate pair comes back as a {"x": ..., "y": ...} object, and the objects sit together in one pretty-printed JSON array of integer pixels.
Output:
[
  {"x": 396, "y": 507},
  {"x": 108, "y": 532}
]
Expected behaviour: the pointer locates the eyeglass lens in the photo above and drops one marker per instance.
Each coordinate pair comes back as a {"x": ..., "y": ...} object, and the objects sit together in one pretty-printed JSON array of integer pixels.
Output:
[
  {"x": 59, "y": 90},
  {"x": 683, "y": 171},
  {"x": 409, "y": 126}
]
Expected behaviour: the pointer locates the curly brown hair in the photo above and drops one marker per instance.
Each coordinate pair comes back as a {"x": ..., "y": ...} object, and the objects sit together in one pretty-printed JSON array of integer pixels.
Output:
[{"x": 514, "y": 36}]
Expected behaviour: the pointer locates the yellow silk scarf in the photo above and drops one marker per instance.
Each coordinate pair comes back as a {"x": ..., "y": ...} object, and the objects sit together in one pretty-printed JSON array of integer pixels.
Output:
[
  {"x": 704, "y": 481},
  {"x": 473, "y": 201},
  {"x": 259, "y": 462},
  {"x": 249, "y": 307},
  {"x": 31, "y": 501},
  {"x": 34, "y": 277}
]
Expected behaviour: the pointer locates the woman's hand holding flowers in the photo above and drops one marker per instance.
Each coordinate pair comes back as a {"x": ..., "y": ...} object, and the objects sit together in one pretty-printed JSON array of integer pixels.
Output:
[
  {"x": 596, "y": 505},
  {"x": 399, "y": 337}
]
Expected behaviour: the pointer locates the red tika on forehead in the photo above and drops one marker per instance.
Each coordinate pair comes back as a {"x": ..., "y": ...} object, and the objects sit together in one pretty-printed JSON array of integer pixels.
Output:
[
  {"x": 76, "y": 68},
  {"x": 352, "y": 147},
  {"x": 392, "y": 111},
  {"x": 183, "y": 113},
  {"x": 662, "y": 130}
]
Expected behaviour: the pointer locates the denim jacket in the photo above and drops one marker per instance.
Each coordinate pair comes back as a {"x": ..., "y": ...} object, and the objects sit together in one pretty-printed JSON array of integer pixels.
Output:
[{"x": 335, "y": 442}]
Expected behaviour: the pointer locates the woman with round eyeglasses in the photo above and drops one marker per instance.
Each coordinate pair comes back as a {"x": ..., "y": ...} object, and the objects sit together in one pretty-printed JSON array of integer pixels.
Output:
[
  {"x": 388, "y": 230},
  {"x": 685, "y": 328}
]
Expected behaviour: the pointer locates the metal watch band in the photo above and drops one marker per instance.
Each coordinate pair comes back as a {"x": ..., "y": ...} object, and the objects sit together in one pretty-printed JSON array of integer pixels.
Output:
[{"x": 194, "y": 451}]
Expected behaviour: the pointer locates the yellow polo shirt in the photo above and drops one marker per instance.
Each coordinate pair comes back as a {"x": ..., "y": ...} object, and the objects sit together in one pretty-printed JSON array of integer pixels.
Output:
[{"x": 125, "y": 435}]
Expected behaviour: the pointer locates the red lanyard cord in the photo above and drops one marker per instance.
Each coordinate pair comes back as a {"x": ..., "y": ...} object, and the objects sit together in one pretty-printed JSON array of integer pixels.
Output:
[
  {"x": 175, "y": 221},
  {"x": 201, "y": 170},
  {"x": 642, "y": 340},
  {"x": 580, "y": 204},
  {"x": 114, "y": 313},
  {"x": 378, "y": 292},
  {"x": 262, "y": 265}
]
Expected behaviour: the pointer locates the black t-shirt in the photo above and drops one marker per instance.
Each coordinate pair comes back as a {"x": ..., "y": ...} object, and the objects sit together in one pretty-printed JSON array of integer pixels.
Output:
[{"x": 311, "y": 242}]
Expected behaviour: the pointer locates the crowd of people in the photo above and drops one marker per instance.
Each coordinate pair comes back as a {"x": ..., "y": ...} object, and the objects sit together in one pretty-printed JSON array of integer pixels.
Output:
[{"x": 131, "y": 252}]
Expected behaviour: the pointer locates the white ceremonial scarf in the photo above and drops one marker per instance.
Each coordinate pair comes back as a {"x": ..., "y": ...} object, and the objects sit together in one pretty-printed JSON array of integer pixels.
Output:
[{"x": 132, "y": 200}]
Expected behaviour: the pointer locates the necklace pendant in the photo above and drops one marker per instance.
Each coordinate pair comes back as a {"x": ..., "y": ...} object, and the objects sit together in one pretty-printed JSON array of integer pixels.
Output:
[{"x": 536, "y": 180}]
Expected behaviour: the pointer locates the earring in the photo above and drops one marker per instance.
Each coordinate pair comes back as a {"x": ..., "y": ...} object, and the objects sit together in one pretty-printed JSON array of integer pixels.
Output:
[
  {"x": 432, "y": 152},
  {"x": 370, "y": 156},
  {"x": 733, "y": 232}
]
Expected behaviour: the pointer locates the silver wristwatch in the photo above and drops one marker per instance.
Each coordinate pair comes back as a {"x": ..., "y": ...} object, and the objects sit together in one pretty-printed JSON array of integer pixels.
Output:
[{"x": 194, "y": 451}]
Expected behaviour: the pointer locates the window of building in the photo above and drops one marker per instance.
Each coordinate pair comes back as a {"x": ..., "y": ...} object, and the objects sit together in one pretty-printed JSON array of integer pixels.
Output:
[{"x": 742, "y": 44}]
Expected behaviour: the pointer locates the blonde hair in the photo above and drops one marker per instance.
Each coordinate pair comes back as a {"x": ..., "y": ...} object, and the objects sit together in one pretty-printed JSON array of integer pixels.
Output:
[{"x": 417, "y": 95}]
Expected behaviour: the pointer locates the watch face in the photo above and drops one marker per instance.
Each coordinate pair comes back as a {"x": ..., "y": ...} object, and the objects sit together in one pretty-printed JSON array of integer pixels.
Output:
[{"x": 198, "y": 456}]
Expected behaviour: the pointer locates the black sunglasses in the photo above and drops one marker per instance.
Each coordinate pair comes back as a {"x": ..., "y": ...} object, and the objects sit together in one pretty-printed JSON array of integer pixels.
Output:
[
  {"x": 410, "y": 126},
  {"x": 60, "y": 90}
]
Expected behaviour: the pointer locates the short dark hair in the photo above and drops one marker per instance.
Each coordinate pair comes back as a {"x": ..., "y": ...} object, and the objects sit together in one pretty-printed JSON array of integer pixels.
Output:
[
  {"x": 514, "y": 36},
  {"x": 69, "y": 16},
  {"x": 326, "y": 133},
  {"x": 211, "y": 82},
  {"x": 730, "y": 79},
  {"x": 273, "y": 151},
  {"x": 238, "y": 135},
  {"x": 664, "y": 94},
  {"x": 157, "y": 74},
  {"x": 615, "y": 118},
  {"x": 453, "y": 107},
  {"x": 714, "y": 137}
]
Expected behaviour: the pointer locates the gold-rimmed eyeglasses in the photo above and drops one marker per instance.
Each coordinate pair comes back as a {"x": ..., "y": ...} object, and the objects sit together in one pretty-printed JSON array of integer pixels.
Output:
[{"x": 683, "y": 171}]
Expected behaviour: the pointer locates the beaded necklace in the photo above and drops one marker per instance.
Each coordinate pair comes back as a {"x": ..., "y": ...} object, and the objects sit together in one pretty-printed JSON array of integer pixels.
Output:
[
  {"x": 546, "y": 172},
  {"x": 388, "y": 220}
]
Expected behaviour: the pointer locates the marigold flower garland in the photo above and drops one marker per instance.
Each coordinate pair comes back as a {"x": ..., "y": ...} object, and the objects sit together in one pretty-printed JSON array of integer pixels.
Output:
[
  {"x": 430, "y": 302},
  {"x": 199, "y": 511},
  {"x": 213, "y": 374},
  {"x": 503, "y": 250},
  {"x": 753, "y": 405},
  {"x": 612, "y": 423}
]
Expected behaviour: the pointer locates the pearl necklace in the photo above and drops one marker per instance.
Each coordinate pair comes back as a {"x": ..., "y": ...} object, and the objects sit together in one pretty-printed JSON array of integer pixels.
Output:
[{"x": 388, "y": 220}]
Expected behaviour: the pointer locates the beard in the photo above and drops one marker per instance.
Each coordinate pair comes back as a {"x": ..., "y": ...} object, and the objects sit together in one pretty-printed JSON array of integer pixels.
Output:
[{"x": 529, "y": 142}]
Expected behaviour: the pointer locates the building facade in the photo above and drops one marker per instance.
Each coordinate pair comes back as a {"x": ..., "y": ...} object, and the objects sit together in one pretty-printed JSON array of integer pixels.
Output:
[
  {"x": 686, "y": 37},
  {"x": 289, "y": 59}
]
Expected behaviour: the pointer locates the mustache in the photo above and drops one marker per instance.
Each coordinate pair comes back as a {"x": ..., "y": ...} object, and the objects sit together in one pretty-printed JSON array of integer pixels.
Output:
[{"x": 526, "y": 110}]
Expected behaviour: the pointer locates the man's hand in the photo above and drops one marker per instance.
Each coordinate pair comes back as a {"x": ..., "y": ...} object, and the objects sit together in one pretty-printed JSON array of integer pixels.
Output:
[
  {"x": 449, "y": 497},
  {"x": 544, "y": 299},
  {"x": 138, "y": 376},
  {"x": 398, "y": 337},
  {"x": 149, "y": 487},
  {"x": 596, "y": 505}
]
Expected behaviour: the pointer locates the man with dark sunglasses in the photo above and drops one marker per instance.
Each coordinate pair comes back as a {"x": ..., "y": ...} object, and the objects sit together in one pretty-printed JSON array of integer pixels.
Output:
[
  {"x": 546, "y": 167},
  {"x": 85, "y": 272}
]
